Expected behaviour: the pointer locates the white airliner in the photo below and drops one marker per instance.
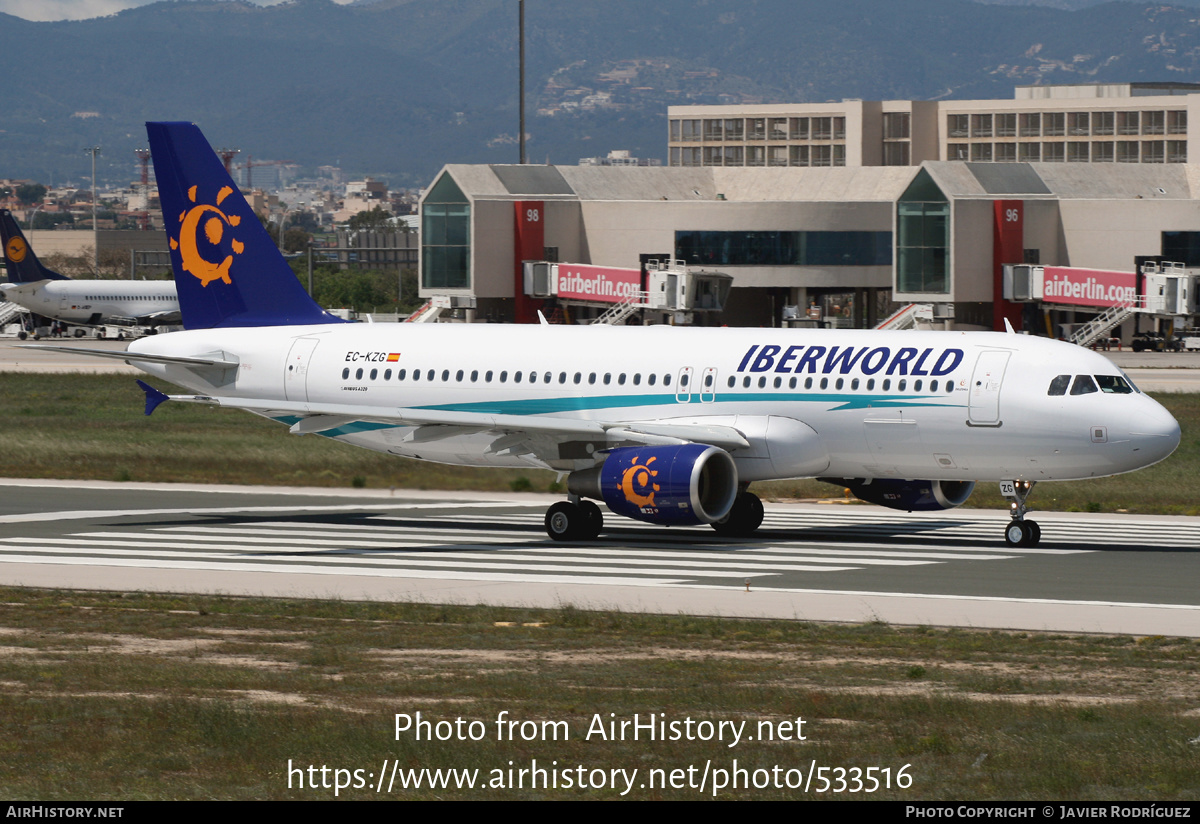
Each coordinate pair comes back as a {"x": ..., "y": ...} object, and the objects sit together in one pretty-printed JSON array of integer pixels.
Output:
[
  {"x": 664, "y": 425},
  {"x": 45, "y": 292}
]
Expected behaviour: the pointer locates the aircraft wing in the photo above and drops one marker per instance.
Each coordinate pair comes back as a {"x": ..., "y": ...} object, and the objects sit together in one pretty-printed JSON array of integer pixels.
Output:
[
  {"x": 163, "y": 318},
  {"x": 524, "y": 434},
  {"x": 153, "y": 319}
]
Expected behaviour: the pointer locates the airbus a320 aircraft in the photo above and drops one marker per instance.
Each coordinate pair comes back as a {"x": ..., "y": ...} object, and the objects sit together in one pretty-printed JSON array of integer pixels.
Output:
[
  {"x": 665, "y": 425},
  {"x": 45, "y": 292}
]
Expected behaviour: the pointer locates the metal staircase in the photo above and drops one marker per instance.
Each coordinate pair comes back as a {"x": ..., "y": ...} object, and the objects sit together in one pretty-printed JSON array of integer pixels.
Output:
[
  {"x": 8, "y": 311},
  {"x": 906, "y": 318},
  {"x": 1100, "y": 325},
  {"x": 621, "y": 311}
]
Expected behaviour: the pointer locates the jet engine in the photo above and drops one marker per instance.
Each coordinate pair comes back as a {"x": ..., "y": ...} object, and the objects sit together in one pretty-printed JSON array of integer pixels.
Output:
[
  {"x": 911, "y": 496},
  {"x": 672, "y": 485}
]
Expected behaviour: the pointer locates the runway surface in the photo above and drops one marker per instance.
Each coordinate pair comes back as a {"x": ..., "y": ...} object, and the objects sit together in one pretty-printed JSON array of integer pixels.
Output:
[{"x": 1092, "y": 573}]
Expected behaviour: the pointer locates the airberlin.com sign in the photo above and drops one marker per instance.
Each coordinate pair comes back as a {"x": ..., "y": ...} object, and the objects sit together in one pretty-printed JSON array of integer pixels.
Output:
[
  {"x": 1088, "y": 287},
  {"x": 599, "y": 283}
]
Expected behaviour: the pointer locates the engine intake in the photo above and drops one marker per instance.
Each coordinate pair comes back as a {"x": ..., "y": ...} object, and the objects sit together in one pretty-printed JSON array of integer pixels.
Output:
[
  {"x": 681, "y": 485},
  {"x": 911, "y": 496}
]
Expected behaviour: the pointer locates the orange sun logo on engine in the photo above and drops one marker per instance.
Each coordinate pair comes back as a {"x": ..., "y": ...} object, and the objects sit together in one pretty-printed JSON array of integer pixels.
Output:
[
  {"x": 212, "y": 222},
  {"x": 636, "y": 483},
  {"x": 15, "y": 249}
]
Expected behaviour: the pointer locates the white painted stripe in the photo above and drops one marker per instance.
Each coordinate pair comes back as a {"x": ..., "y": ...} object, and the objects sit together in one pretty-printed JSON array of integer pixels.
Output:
[
  {"x": 82, "y": 514},
  {"x": 250, "y": 535},
  {"x": 451, "y": 575},
  {"x": 484, "y": 561}
]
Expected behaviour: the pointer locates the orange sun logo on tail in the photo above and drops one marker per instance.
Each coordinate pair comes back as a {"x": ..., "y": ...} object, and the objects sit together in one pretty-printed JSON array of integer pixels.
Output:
[{"x": 212, "y": 221}]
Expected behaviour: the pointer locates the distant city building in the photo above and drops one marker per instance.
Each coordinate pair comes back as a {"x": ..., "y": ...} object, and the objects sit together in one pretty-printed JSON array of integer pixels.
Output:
[
  {"x": 619, "y": 157},
  {"x": 1097, "y": 123}
]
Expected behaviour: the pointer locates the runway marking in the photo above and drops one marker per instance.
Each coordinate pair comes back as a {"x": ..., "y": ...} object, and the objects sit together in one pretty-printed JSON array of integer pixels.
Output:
[
  {"x": 499, "y": 542},
  {"x": 480, "y": 560}
]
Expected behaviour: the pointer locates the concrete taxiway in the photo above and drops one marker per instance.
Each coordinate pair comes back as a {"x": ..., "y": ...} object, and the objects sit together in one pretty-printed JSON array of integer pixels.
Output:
[{"x": 1092, "y": 573}]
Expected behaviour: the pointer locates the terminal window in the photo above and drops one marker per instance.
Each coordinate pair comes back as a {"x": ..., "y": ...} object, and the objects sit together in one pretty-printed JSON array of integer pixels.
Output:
[
  {"x": 923, "y": 237},
  {"x": 445, "y": 237}
]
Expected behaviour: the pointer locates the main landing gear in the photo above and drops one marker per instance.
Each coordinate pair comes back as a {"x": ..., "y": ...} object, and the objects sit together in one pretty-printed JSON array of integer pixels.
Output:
[
  {"x": 574, "y": 520},
  {"x": 745, "y": 516},
  {"x": 1019, "y": 531}
]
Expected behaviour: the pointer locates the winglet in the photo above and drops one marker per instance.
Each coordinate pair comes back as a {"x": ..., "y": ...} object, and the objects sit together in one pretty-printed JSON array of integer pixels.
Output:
[
  {"x": 22, "y": 264},
  {"x": 228, "y": 271},
  {"x": 1008, "y": 326},
  {"x": 153, "y": 397},
  {"x": 542, "y": 319}
]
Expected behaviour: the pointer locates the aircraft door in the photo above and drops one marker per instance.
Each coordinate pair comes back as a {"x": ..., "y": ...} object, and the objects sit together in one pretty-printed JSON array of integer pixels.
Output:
[
  {"x": 683, "y": 389},
  {"x": 708, "y": 385},
  {"x": 295, "y": 376},
  {"x": 986, "y": 381}
]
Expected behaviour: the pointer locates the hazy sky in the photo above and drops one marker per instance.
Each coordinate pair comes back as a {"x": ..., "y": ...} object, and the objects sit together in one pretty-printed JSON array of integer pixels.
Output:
[{"x": 83, "y": 9}]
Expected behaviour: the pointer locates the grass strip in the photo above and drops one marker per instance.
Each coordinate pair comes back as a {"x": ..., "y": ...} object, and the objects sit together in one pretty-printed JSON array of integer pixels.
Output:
[{"x": 129, "y": 696}]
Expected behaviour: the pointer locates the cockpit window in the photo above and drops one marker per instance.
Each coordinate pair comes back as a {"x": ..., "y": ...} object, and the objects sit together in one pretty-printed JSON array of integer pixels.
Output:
[
  {"x": 1129, "y": 381},
  {"x": 1059, "y": 385},
  {"x": 1114, "y": 385},
  {"x": 1084, "y": 385}
]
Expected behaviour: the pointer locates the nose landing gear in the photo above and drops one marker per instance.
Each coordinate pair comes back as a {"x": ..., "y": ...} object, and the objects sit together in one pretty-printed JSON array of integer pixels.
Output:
[
  {"x": 1019, "y": 532},
  {"x": 574, "y": 520}
]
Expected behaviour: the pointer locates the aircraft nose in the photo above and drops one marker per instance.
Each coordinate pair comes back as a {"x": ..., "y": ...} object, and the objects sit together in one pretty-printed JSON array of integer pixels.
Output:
[{"x": 1154, "y": 432}]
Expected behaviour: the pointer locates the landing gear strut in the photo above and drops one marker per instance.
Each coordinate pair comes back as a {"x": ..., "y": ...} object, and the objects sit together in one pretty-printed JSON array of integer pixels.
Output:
[
  {"x": 1019, "y": 531},
  {"x": 744, "y": 517},
  {"x": 574, "y": 520}
]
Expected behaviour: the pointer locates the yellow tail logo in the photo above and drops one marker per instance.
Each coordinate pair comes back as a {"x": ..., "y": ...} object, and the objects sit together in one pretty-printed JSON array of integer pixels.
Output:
[
  {"x": 214, "y": 222},
  {"x": 15, "y": 249}
]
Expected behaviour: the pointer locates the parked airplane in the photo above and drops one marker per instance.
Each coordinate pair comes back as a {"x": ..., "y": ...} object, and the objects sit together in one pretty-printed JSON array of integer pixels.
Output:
[
  {"x": 45, "y": 292},
  {"x": 665, "y": 425}
]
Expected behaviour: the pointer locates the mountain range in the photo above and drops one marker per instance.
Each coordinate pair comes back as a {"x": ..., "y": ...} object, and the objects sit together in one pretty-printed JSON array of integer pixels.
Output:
[{"x": 397, "y": 88}]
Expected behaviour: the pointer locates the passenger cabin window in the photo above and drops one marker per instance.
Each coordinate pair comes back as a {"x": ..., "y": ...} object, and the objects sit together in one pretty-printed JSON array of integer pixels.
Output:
[
  {"x": 1059, "y": 385},
  {"x": 1084, "y": 385}
]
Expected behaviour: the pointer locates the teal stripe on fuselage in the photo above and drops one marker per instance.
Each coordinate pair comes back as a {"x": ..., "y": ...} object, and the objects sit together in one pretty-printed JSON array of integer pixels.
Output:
[
  {"x": 352, "y": 428},
  {"x": 548, "y": 406}
]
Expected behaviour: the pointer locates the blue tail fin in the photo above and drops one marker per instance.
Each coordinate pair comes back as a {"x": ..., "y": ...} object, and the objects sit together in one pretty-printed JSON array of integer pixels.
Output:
[
  {"x": 23, "y": 265},
  {"x": 228, "y": 271}
]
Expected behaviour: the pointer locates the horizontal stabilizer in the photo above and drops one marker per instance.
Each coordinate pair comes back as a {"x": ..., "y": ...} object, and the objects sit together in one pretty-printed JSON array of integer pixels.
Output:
[
  {"x": 138, "y": 357},
  {"x": 153, "y": 397}
]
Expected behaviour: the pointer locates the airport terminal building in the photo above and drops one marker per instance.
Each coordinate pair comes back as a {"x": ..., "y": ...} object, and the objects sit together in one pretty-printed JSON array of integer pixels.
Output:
[{"x": 895, "y": 207}]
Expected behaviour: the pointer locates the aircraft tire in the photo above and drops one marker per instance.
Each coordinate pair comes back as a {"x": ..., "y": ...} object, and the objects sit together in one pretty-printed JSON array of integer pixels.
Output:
[
  {"x": 744, "y": 517},
  {"x": 593, "y": 520},
  {"x": 1019, "y": 533},
  {"x": 1035, "y": 534},
  {"x": 564, "y": 521}
]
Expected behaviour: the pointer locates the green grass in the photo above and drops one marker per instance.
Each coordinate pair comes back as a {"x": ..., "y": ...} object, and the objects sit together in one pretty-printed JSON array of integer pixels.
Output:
[
  {"x": 92, "y": 427},
  {"x": 127, "y": 696}
]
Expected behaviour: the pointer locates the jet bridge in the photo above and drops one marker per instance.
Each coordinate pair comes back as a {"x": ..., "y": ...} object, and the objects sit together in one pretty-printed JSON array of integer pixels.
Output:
[
  {"x": 668, "y": 287},
  {"x": 1162, "y": 291}
]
